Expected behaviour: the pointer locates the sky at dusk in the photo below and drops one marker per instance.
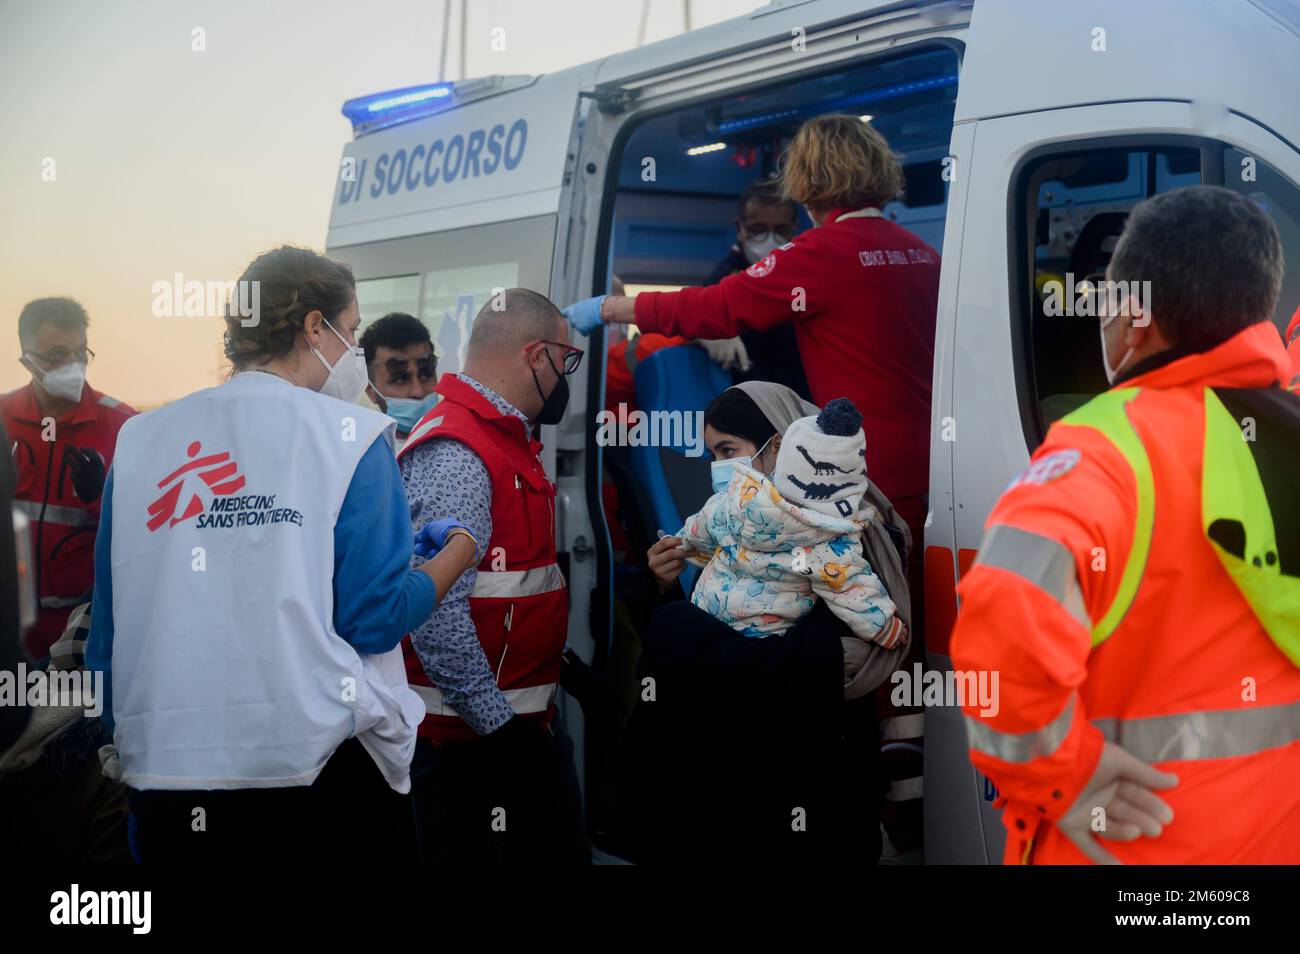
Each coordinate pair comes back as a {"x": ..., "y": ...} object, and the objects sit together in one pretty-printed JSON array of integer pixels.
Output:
[{"x": 169, "y": 160}]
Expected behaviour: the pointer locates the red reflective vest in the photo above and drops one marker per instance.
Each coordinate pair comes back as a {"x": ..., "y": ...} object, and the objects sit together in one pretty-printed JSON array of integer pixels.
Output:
[
  {"x": 62, "y": 525},
  {"x": 519, "y": 603}
]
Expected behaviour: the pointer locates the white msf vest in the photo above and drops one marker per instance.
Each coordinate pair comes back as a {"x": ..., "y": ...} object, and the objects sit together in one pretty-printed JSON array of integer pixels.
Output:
[{"x": 227, "y": 671}]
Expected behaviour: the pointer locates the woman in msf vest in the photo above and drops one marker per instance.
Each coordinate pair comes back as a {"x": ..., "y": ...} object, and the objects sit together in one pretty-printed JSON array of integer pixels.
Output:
[{"x": 253, "y": 582}]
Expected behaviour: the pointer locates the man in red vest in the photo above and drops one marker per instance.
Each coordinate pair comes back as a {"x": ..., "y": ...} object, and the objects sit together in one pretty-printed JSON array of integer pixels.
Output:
[
  {"x": 62, "y": 433},
  {"x": 491, "y": 782}
]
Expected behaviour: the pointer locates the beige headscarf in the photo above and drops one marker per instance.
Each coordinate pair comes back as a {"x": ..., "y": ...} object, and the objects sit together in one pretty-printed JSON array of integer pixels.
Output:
[
  {"x": 866, "y": 665},
  {"x": 779, "y": 404}
]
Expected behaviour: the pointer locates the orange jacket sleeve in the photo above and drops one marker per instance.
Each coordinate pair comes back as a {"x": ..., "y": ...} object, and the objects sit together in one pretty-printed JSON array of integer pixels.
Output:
[{"x": 1053, "y": 552}]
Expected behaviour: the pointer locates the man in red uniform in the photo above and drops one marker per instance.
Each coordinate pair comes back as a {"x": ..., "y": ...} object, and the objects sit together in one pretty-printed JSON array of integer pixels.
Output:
[
  {"x": 491, "y": 780},
  {"x": 62, "y": 433}
]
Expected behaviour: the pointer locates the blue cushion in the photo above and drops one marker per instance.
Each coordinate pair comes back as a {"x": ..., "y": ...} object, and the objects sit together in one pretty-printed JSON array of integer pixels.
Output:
[{"x": 683, "y": 379}]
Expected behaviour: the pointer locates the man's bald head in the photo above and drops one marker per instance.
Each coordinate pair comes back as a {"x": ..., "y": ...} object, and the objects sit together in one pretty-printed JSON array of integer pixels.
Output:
[{"x": 511, "y": 320}]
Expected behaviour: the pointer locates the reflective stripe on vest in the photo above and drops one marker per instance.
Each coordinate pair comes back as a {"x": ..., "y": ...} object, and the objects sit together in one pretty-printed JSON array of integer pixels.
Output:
[
  {"x": 522, "y": 701},
  {"x": 63, "y": 516},
  {"x": 1039, "y": 560},
  {"x": 629, "y": 355},
  {"x": 1184, "y": 737},
  {"x": 1108, "y": 414},
  {"x": 1021, "y": 747},
  {"x": 508, "y": 584},
  {"x": 1218, "y": 734},
  {"x": 422, "y": 428}
]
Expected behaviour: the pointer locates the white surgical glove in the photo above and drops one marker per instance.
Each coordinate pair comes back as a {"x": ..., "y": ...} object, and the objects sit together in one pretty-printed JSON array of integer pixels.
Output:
[{"x": 727, "y": 353}]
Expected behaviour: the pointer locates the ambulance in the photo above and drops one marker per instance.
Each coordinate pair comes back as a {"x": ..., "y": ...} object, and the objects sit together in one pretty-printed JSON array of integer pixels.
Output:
[{"x": 1028, "y": 129}]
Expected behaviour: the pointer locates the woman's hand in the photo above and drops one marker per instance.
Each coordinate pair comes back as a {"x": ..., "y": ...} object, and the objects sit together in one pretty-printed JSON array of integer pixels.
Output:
[
  {"x": 666, "y": 560},
  {"x": 433, "y": 536},
  {"x": 451, "y": 550}
]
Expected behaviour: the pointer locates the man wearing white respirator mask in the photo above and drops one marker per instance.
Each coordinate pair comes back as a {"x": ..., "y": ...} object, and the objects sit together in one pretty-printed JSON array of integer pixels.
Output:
[
  {"x": 764, "y": 222},
  {"x": 62, "y": 433}
]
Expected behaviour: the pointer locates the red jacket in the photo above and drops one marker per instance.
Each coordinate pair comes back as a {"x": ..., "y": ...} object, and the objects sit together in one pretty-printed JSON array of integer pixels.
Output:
[
  {"x": 62, "y": 525},
  {"x": 520, "y": 602},
  {"x": 1293, "y": 348},
  {"x": 864, "y": 323}
]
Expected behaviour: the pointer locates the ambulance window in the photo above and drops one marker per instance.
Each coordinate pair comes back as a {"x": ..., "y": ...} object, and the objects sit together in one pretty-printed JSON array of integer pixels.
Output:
[
  {"x": 1074, "y": 205},
  {"x": 452, "y": 297},
  {"x": 377, "y": 297},
  {"x": 1281, "y": 200}
]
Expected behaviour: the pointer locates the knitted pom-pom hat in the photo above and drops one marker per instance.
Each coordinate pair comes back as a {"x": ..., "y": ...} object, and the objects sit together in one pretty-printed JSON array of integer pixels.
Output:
[{"x": 822, "y": 461}]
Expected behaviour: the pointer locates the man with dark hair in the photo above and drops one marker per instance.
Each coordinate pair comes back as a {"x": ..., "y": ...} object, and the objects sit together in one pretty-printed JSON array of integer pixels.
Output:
[
  {"x": 62, "y": 433},
  {"x": 765, "y": 221},
  {"x": 1138, "y": 584},
  {"x": 491, "y": 781},
  {"x": 403, "y": 368}
]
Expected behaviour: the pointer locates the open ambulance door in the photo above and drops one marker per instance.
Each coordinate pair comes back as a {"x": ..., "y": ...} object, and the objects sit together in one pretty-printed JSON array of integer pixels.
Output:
[{"x": 1042, "y": 189}]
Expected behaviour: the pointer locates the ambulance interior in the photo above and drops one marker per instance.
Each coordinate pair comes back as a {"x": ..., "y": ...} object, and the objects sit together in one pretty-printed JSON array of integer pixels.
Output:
[{"x": 673, "y": 230}]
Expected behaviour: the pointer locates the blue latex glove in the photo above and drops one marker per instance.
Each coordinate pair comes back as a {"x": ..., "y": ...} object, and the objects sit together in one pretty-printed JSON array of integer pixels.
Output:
[
  {"x": 584, "y": 316},
  {"x": 432, "y": 537}
]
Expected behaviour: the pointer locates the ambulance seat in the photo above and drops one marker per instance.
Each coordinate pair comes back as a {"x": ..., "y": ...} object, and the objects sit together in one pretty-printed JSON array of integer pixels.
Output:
[{"x": 681, "y": 378}]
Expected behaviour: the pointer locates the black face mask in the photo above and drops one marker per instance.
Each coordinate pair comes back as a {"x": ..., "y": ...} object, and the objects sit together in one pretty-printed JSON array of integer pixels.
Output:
[{"x": 553, "y": 405}]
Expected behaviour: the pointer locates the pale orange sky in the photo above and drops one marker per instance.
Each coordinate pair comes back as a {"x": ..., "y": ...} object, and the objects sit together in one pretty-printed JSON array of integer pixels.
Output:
[{"x": 169, "y": 160}]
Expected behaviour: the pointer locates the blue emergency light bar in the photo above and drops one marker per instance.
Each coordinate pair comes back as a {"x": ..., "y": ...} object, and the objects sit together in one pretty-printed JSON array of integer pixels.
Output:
[
  {"x": 396, "y": 106},
  {"x": 378, "y": 110}
]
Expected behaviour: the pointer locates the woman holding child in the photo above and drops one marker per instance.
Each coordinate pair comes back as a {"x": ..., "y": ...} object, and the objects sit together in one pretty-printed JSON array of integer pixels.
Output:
[{"x": 762, "y": 737}]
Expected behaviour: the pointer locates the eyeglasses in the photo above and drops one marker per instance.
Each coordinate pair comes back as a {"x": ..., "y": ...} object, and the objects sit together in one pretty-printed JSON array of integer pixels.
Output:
[
  {"x": 572, "y": 355},
  {"x": 60, "y": 358}
]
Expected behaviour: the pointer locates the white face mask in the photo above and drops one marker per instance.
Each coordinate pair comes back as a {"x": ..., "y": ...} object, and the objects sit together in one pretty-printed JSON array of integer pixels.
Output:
[
  {"x": 1111, "y": 373},
  {"x": 757, "y": 249},
  {"x": 348, "y": 377},
  {"x": 65, "y": 382}
]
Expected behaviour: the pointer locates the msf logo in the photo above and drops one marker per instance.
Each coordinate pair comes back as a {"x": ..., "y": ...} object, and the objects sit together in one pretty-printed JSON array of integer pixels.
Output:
[{"x": 192, "y": 487}]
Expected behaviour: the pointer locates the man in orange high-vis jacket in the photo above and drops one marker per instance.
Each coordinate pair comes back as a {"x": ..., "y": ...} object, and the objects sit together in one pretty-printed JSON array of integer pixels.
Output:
[{"x": 1149, "y": 706}]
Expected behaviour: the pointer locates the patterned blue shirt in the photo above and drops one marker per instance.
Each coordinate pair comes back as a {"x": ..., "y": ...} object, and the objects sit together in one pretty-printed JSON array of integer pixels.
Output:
[{"x": 443, "y": 478}]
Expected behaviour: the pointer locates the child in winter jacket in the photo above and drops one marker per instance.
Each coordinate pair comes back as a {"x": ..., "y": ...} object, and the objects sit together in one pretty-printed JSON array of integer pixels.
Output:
[{"x": 771, "y": 546}]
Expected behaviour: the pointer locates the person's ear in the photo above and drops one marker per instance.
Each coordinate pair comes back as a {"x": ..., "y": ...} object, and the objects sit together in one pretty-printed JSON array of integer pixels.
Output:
[
  {"x": 740, "y": 230},
  {"x": 776, "y": 444},
  {"x": 1143, "y": 333},
  {"x": 536, "y": 358},
  {"x": 313, "y": 323}
]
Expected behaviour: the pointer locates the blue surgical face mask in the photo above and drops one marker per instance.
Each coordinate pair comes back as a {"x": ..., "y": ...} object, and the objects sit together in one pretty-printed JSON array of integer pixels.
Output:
[
  {"x": 408, "y": 411},
  {"x": 721, "y": 470}
]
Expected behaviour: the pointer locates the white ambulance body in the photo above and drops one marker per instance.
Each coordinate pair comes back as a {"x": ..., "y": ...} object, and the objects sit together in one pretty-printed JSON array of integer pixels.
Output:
[{"x": 1027, "y": 129}]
